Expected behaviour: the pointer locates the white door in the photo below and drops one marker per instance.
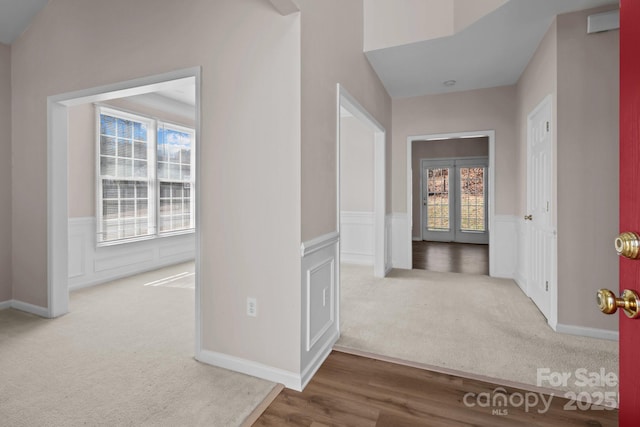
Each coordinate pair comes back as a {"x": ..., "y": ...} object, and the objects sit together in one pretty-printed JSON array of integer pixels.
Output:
[
  {"x": 539, "y": 224},
  {"x": 454, "y": 200}
]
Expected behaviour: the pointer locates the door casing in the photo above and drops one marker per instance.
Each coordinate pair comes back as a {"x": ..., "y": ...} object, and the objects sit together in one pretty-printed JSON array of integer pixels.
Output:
[{"x": 491, "y": 135}]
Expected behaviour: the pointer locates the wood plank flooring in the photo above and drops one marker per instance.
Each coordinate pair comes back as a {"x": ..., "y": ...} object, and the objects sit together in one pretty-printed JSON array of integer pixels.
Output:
[
  {"x": 351, "y": 390},
  {"x": 451, "y": 257}
]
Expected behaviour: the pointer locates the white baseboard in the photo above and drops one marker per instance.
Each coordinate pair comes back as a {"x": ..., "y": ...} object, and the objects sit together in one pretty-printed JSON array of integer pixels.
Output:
[
  {"x": 30, "y": 308},
  {"x": 582, "y": 331},
  {"x": 90, "y": 265},
  {"x": 287, "y": 378},
  {"x": 417, "y": 239},
  {"x": 5, "y": 305}
]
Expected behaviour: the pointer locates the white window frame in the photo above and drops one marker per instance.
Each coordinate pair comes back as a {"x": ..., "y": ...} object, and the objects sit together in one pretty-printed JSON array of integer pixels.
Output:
[
  {"x": 153, "y": 194},
  {"x": 192, "y": 182}
]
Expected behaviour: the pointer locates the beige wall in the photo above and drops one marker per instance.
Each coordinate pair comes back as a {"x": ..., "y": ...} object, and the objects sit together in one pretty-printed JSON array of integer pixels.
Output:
[
  {"x": 5, "y": 173},
  {"x": 82, "y": 149},
  {"x": 332, "y": 40},
  {"x": 399, "y": 22},
  {"x": 82, "y": 161},
  {"x": 538, "y": 80},
  {"x": 394, "y": 23},
  {"x": 250, "y": 102},
  {"x": 464, "y": 147},
  {"x": 588, "y": 165},
  {"x": 467, "y": 12},
  {"x": 356, "y": 166},
  {"x": 485, "y": 109}
]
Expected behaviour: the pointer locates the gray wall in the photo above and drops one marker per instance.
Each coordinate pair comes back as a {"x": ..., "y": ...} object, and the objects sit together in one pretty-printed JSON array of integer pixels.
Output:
[{"x": 588, "y": 169}]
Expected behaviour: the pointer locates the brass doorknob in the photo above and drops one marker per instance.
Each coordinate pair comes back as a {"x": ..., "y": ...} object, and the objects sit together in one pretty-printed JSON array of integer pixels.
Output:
[
  {"x": 609, "y": 304},
  {"x": 628, "y": 245},
  {"x": 528, "y": 217}
]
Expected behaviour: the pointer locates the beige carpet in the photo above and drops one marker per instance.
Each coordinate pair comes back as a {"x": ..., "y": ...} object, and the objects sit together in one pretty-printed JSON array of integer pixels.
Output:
[
  {"x": 472, "y": 324},
  {"x": 123, "y": 356}
]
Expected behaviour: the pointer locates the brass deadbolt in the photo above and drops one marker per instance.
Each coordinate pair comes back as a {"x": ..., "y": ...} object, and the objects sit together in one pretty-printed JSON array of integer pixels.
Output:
[
  {"x": 609, "y": 304},
  {"x": 628, "y": 245}
]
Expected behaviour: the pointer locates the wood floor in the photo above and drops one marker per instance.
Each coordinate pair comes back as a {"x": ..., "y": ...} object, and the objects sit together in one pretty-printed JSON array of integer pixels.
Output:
[
  {"x": 355, "y": 391},
  {"x": 451, "y": 257}
]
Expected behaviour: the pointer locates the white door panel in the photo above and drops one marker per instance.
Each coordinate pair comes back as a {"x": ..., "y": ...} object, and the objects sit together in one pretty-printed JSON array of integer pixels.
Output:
[{"x": 541, "y": 236}]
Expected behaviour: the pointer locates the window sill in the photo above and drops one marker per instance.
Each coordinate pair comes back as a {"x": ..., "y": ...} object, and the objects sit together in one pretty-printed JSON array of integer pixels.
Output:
[{"x": 144, "y": 238}]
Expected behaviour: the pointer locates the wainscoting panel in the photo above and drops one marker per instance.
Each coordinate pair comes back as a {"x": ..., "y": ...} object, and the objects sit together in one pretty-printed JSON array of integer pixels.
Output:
[
  {"x": 357, "y": 237},
  {"x": 388, "y": 232},
  {"x": 319, "y": 274},
  {"x": 400, "y": 253},
  {"x": 506, "y": 240},
  {"x": 90, "y": 265},
  {"x": 522, "y": 267}
]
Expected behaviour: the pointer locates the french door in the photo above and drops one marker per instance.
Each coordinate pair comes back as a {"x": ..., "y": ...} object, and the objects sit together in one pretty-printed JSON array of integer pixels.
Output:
[{"x": 454, "y": 200}]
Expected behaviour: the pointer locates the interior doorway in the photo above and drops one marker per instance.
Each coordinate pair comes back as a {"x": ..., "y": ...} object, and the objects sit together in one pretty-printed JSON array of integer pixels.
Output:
[
  {"x": 373, "y": 227},
  {"x": 450, "y": 193},
  {"x": 58, "y": 163}
]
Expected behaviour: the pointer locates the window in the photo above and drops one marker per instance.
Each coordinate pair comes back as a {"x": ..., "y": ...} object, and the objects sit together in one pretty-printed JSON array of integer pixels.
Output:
[{"x": 145, "y": 177}]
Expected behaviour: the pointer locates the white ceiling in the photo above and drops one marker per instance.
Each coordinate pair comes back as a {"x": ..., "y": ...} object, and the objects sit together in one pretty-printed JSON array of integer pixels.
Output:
[{"x": 492, "y": 52}]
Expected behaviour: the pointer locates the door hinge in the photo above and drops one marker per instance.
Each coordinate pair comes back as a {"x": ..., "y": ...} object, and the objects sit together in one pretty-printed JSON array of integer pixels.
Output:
[
  {"x": 547, "y": 206},
  {"x": 548, "y": 126},
  {"x": 546, "y": 286}
]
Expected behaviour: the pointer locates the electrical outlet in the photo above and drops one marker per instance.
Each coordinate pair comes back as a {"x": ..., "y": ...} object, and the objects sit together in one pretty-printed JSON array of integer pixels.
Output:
[{"x": 252, "y": 307}]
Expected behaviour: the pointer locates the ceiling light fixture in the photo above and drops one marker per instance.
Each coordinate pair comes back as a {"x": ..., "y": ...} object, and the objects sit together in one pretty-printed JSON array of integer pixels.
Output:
[{"x": 450, "y": 83}]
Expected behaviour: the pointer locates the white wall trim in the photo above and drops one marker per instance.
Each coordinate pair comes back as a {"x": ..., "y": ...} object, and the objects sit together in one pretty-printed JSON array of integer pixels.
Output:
[
  {"x": 30, "y": 308},
  {"x": 90, "y": 265},
  {"x": 318, "y": 243},
  {"x": 357, "y": 244},
  {"x": 5, "y": 305},
  {"x": 320, "y": 303},
  {"x": 388, "y": 261},
  {"x": 287, "y": 378},
  {"x": 582, "y": 331}
]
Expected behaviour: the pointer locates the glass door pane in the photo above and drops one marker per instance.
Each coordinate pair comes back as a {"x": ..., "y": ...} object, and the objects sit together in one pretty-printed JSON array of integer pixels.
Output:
[
  {"x": 437, "y": 199},
  {"x": 472, "y": 199}
]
